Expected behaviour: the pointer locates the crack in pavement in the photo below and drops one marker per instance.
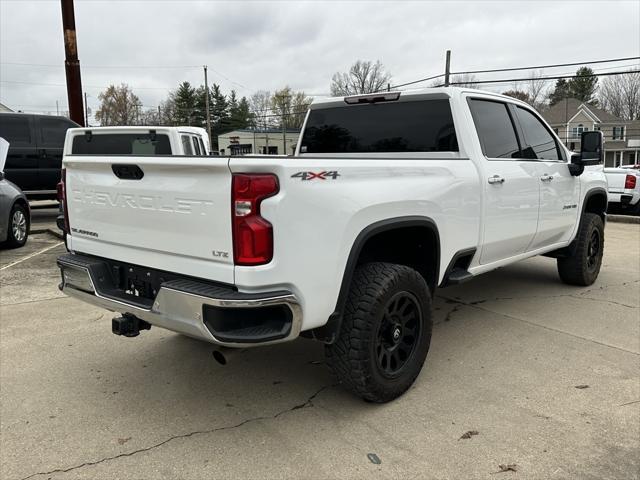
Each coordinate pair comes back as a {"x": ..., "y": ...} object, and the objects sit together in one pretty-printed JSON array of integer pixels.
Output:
[
  {"x": 33, "y": 301},
  {"x": 307, "y": 403},
  {"x": 579, "y": 295},
  {"x": 528, "y": 322}
]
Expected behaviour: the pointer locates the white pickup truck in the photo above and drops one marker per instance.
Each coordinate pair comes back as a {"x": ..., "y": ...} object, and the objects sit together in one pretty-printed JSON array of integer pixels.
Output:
[
  {"x": 387, "y": 197},
  {"x": 623, "y": 185}
]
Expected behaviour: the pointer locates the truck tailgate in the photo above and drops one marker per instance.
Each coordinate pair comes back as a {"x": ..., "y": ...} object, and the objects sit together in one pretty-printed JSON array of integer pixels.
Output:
[{"x": 176, "y": 217}]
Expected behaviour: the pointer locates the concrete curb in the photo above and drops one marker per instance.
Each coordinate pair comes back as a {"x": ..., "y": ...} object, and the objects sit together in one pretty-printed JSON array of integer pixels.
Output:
[
  {"x": 623, "y": 219},
  {"x": 50, "y": 231}
]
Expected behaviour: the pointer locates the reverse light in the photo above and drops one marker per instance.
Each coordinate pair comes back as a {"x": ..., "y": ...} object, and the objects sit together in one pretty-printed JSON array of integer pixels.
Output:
[
  {"x": 630, "y": 181},
  {"x": 62, "y": 198},
  {"x": 252, "y": 234}
]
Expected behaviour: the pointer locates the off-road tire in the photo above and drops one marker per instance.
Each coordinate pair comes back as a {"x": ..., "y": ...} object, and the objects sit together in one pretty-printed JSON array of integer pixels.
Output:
[
  {"x": 12, "y": 240},
  {"x": 582, "y": 267},
  {"x": 352, "y": 358}
]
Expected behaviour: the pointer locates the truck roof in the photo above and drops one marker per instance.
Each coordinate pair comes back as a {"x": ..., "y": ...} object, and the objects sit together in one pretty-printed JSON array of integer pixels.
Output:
[{"x": 406, "y": 95}]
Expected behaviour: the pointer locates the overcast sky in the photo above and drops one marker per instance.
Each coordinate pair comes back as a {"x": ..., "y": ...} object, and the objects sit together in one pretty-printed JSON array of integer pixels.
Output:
[{"x": 251, "y": 46}]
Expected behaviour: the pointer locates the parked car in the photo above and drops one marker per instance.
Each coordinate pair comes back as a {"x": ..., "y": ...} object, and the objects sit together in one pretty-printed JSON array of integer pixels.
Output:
[
  {"x": 623, "y": 189},
  {"x": 35, "y": 153},
  {"x": 15, "y": 215},
  {"x": 389, "y": 196}
]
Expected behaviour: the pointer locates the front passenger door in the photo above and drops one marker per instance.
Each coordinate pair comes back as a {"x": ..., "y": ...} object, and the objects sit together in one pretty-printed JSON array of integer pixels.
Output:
[{"x": 559, "y": 190}]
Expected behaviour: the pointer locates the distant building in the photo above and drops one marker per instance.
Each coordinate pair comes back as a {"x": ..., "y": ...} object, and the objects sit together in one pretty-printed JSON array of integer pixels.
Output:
[
  {"x": 570, "y": 117},
  {"x": 4, "y": 108},
  {"x": 268, "y": 141}
]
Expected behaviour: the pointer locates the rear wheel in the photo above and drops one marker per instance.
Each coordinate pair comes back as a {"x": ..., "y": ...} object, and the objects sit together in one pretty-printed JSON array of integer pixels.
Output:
[
  {"x": 385, "y": 332},
  {"x": 18, "y": 228},
  {"x": 582, "y": 268}
]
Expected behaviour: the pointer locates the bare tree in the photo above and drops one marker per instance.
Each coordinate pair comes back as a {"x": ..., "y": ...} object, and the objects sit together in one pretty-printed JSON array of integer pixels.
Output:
[
  {"x": 118, "y": 106},
  {"x": 620, "y": 95},
  {"x": 464, "y": 80},
  {"x": 536, "y": 88},
  {"x": 363, "y": 77},
  {"x": 260, "y": 104},
  {"x": 290, "y": 107}
]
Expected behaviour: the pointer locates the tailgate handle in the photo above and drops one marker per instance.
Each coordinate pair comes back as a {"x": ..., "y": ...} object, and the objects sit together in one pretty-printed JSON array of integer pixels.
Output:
[{"x": 127, "y": 172}]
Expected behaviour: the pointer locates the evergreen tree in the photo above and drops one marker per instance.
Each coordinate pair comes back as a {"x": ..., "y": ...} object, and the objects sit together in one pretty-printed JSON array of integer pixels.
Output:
[
  {"x": 184, "y": 104},
  {"x": 584, "y": 85},
  {"x": 560, "y": 92},
  {"x": 219, "y": 112}
]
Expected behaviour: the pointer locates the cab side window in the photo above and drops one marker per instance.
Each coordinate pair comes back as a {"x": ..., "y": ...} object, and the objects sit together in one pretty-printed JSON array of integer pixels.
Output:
[
  {"x": 186, "y": 145},
  {"x": 495, "y": 129},
  {"x": 538, "y": 143}
]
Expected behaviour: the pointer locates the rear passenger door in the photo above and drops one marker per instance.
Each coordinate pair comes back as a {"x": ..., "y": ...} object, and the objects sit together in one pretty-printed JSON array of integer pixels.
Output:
[
  {"x": 52, "y": 134},
  {"x": 21, "y": 167},
  {"x": 511, "y": 183},
  {"x": 559, "y": 190}
]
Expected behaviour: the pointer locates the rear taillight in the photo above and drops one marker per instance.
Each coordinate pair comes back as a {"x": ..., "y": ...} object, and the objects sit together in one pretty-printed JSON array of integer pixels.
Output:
[
  {"x": 630, "y": 181},
  {"x": 62, "y": 198},
  {"x": 252, "y": 234}
]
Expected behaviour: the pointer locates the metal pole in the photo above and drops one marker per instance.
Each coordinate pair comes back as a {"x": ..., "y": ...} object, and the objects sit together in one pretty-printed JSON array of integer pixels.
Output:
[
  {"x": 206, "y": 103},
  {"x": 71, "y": 63},
  {"x": 160, "y": 118},
  {"x": 447, "y": 68},
  {"x": 86, "y": 111},
  {"x": 57, "y": 109}
]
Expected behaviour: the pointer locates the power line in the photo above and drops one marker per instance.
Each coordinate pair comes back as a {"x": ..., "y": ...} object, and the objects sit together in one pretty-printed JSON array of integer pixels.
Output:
[
  {"x": 417, "y": 81},
  {"x": 547, "y": 66},
  {"x": 556, "y": 77}
]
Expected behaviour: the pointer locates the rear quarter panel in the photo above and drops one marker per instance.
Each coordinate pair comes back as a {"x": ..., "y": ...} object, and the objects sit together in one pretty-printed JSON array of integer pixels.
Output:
[{"x": 317, "y": 221}]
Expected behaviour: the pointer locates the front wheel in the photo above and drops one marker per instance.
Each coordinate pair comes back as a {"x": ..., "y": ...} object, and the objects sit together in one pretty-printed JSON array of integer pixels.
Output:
[
  {"x": 583, "y": 266},
  {"x": 18, "y": 228},
  {"x": 385, "y": 333}
]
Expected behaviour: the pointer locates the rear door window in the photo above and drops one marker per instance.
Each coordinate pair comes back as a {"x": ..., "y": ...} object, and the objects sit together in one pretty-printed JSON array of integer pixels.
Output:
[
  {"x": 495, "y": 129},
  {"x": 415, "y": 126},
  {"x": 15, "y": 129},
  {"x": 53, "y": 131},
  {"x": 121, "y": 144},
  {"x": 196, "y": 145},
  {"x": 186, "y": 145},
  {"x": 538, "y": 141}
]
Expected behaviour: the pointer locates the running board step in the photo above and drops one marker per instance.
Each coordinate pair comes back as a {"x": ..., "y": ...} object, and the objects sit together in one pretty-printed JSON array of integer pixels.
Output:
[{"x": 458, "y": 275}]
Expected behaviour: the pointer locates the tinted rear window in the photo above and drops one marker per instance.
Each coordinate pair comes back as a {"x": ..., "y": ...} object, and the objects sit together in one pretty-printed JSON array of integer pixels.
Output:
[
  {"x": 121, "y": 144},
  {"x": 15, "y": 128},
  {"x": 420, "y": 126}
]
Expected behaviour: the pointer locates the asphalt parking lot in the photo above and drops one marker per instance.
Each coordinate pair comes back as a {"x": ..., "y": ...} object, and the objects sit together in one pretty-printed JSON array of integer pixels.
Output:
[{"x": 546, "y": 374}]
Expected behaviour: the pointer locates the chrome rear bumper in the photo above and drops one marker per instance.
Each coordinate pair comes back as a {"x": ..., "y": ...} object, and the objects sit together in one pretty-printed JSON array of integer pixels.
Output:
[{"x": 189, "y": 307}]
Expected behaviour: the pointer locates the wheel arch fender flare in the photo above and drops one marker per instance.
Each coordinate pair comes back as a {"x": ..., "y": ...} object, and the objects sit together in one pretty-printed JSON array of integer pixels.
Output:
[{"x": 328, "y": 332}]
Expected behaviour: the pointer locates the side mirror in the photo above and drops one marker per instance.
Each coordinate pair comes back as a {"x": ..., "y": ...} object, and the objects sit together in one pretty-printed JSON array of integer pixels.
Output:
[
  {"x": 591, "y": 148},
  {"x": 1, "y": 175}
]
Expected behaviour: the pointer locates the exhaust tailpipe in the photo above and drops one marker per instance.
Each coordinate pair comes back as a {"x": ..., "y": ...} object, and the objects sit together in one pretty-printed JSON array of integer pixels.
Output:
[{"x": 222, "y": 354}]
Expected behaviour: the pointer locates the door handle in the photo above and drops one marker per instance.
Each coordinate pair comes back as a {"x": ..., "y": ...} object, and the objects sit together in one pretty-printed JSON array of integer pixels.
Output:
[
  {"x": 546, "y": 177},
  {"x": 496, "y": 179}
]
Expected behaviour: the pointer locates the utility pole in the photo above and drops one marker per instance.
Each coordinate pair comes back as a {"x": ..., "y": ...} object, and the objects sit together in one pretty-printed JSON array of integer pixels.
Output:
[
  {"x": 57, "y": 109},
  {"x": 71, "y": 63},
  {"x": 160, "y": 117},
  {"x": 206, "y": 104},
  {"x": 86, "y": 111},
  {"x": 447, "y": 68}
]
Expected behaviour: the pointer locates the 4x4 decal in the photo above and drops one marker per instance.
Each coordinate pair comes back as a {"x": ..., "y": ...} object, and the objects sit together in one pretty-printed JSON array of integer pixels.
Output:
[{"x": 312, "y": 175}]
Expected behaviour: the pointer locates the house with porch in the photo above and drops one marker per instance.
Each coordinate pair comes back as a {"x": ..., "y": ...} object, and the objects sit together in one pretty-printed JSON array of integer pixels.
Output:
[{"x": 570, "y": 117}]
